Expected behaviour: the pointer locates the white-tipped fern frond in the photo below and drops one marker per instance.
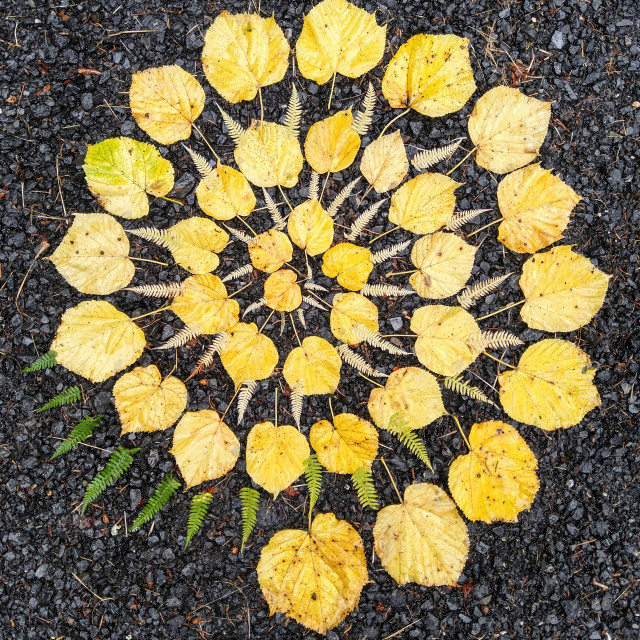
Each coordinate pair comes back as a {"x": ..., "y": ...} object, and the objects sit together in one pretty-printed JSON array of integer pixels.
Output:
[
  {"x": 356, "y": 361},
  {"x": 464, "y": 388},
  {"x": 254, "y": 306},
  {"x": 244, "y": 397},
  {"x": 312, "y": 302},
  {"x": 181, "y": 338},
  {"x": 429, "y": 157},
  {"x": 161, "y": 237},
  {"x": 390, "y": 290},
  {"x": 312, "y": 286},
  {"x": 484, "y": 340},
  {"x": 363, "y": 220},
  {"x": 294, "y": 113},
  {"x": 362, "y": 119},
  {"x": 375, "y": 340},
  {"x": 314, "y": 186},
  {"x": 296, "y": 400},
  {"x": 391, "y": 252},
  {"x": 460, "y": 218},
  {"x": 300, "y": 314},
  {"x": 201, "y": 163},
  {"x": 164, "y": 290},
  {"x": 240, "y": 235},
  {"x": 279, "y": 222},
  {"x": 206, "y": 359},
  {"x": 343, "y": 194},
  {"x": 470, "y": 295},
  {"x": 240, "y": 272},
  {"x": 235, "y": 130}
]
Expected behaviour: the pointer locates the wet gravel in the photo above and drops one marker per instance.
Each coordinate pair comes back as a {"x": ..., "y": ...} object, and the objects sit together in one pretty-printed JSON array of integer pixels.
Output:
[{"x": 568, "y": 569}]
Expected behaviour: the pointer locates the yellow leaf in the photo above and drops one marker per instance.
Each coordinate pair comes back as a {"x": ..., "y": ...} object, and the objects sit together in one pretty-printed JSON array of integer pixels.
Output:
[
  {"x": 423, "y": 539},
  {"x": 431, "y": 74},
  {"x": 350, "y": 310},
  {"x": 146, "y": 402},
  {"x": 497, "y": 479},
  {"x": 225, "y": 194},
  {"x": 95, "y": 340},
  {"x": 411, "y": 392},
  {"x": 338, "y": 37},
  {"x": 122, "y": 171},
  {"x": 249, "y": 355},
  {"x": 204, "y": 447},
  {"x": 384, "y": 162},
  {"x": 166, "y": 101},
  {"x": 270, "y": 250},
  {"x": 311, "y": 227},
  {"x": 316, "y": 363},
  {"x": 332, "y": 143},
  {"x": 315, "y": 577},
  {"x": 282, "y": 292},
  {"x": 198, "y": 242},
  {"x": 93, "y": 256},
  {"x": 205, "y": 305},
  {"x": 350, "y": 264},
  {"x": 242, "y": 53},
  {"x": 508, "y": 129},
  {"x": 535, "y": 207},
  {"x": 444, "y": 263},
  {"x": 552, "y": 387},
  {"x": 443, "y": 338},
  {"x": 346, "y": 445},
  {"x": 563, "y": 290},
  {"x": 275, "y": 456},
  {"x": 424, "y": 204},
  {"x": 269, "y": 155}
]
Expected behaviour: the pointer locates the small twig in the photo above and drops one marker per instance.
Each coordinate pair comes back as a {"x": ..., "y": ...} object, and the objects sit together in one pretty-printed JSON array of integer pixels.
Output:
[{"x": 89, "y": 590}]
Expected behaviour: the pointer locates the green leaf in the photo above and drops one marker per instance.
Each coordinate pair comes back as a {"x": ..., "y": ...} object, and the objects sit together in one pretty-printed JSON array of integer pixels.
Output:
[
  {"x": 197, "y": 513},
  {"x": 78, "y": 434},
  {"x": 68, "y": 396},
  {"x": 164, "y": 492},
  {"x": 47, "y": 361},
  {"x": 250, "y": 503}
]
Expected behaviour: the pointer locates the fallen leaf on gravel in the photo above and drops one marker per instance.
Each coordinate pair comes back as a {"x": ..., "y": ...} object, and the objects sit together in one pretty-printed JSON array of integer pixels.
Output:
[
  {"x": 310, "y": 227},
  {"x": 332, "y": 143},
  {"x": 197, "y": 243},
  {"x": 384, "y": 162},
  {"x": 349, "y": 264},
  {"x": 225, "y": 193},
  {"x": 348, "y": 311},
  {"x": 268, "y": 251},
  {"x": 316, "y": 364},
  {"x": 282, "y": 292}
]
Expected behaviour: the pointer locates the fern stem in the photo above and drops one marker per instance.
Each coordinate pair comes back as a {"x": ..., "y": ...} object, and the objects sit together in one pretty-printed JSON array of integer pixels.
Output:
[
  {"x": 370, "y": 380},
  {"x": 506, "y": 308},
  {"x": 393, "y": 482},
  {"x": 461, "y": 161},
  {"x": 386, "y": 233},
  {"x": 506, "y": 364},
  {"x": 204, "y": 139},
  {"x": 400, "y": 115},
  {"x": 486, "y": 226},
  {"x": 461, "y": 431}
]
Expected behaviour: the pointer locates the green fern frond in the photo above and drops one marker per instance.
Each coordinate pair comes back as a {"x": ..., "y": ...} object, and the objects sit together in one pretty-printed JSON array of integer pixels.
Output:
[
  {"x": 464, "y": 388},
  {"x": 163, "y": 493},
  {"x": 68, "y": 396},
  {"x": 78, "y": 434},
  {"x": 400, "y": 428},
  {"x": 47, "y": 361},
  {"x": 119, "y": 461},
  {"x": 197, "y": 513},
  {"x": 249, "y": 503},
  {"x": 365, "y": 488},
  {"x": 313, "y": 478}
]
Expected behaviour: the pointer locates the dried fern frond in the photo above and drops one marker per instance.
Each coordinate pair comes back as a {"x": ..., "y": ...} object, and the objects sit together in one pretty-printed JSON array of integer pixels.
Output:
[
  {"x": 254, "y": 306},
  {"x": 296, "y": 399},
  {"x": 356, "y": 361},
  {"x": 314, "y": 186},
  {"x": 400, "y": 428},
  {"x": 375, "y": 340},
  {"x": 343, "y": 194},
  {"x": 390, "y": 290},
  {"x": 240, "y": 272},
  {"x": 164, "y": 492},
  {"x": 202, "y": 164},
  {"x": 300, "y": 314},
  {"x": 197, "y": 513},
  {"x": 181, "y": 338},
  {"x": 78, "y": 434},
  {"x": 45, "y": 361},
  {"x": 429, "y": 157},
  {"x": 470, "y": 295},
  {"x": 484, "y": 340},
  {"x": 244, "y": 397},
  {"x": 249, "y": 505},
  {"x": 157, "y": 236},
  {"x": 240, "y": 235},
  {"x": 68, "y": 396},
  {"x": 235, "y": 130},
  {"x": 164, "y": 290},
  {"x": 279, "y": 222},
  {"x": 294, "y": 113},
  {"x": 391, "y": 252},
  {"x": 464, "y": 388},
  {"x": 312, "y": 286},
  {"x": 363, "y": 220},
  {"x": 362, "y": 119},
  {"x": 206, "y": 360},
  {"x": 312, "y": 302},
  {"x": 365, "y": 488},
  {"x": 313, "y": 478},
  {"x": 460, "y": 218}
]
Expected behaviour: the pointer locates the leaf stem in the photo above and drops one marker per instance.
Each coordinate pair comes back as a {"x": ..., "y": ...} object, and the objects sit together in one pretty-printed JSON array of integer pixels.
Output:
[
  {"x": 400, "y": 273},
  {"x": 370, "y": 380},
  {"x": 461, "y": 161},
  {"x": 333, "y": 417},
  {"x": 393, "y": 482},
  {"x": 324, "y": 185},
  {"x": 400, "y": 115},
  {"x": 461, "y": 431},
  {"x": 197, "y": 130},
  {"x": 231, "y": 402},
  {"x": 171, "y": 200},
  {"x": 144, "y": 315},
  {"x": 239, "y": 290},
  {"x": 276, "y": 407},
  {"x": 164, "y": 264},
  {"x": 293, "y": 324},
  {"x": 486, "y": 226},
  {"x": 285, "y": 198},
  {"x": 267, "y": 320},
  {"x": 383, "y": 234},
  {"x": 506, "y": 308},
  {"x": 333, "y": 84},
  {"x": 506, "y": 364},
  {"x": 246, "y": 224},
  {"x": 261, "y": 105}
]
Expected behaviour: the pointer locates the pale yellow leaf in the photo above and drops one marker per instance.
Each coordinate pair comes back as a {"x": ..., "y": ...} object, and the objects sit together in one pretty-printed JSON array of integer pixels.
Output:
[
  {"x": 225, "y": 194},
  {"x": 316, "y": 364},
  {"x": 332, "y": 143},
  {"x": 270, "y": 250},
  {"x": 282, "y": 292},
  {"x": 384, "y": 162},
  {"x": 198, "y": 240},
  {"x": 348, "y": 311},
  {"x": 311, "y": 227},
  {"x": 349, "y": 263}
]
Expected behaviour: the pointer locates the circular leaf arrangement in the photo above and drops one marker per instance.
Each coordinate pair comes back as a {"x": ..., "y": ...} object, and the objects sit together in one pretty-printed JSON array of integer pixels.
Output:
[{"x": 316, "y": 576}]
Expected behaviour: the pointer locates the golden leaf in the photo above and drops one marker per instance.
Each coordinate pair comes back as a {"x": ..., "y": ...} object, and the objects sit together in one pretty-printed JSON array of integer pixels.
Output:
[
  {"x": 497, "y": 479},
  {"x": 508, "y": 129},
  {"x": 423, "y": 539},
  {"x": 443, "y": 343},
  {"x": 225, "y": 194},
  {"x": 346, "y": 445},
  {"x": 166, "y": 101},
  {"x": 269, "y": 155},
  {"x": 350, "y": 264},
  {"x": 350, "y": 310},
  {"x": 384, "y": 162},
  {"x": 431, "y": 74},
  {"x": 424, "y": 204},
  {"x": 275, "y": 456},
  {"x": 205, "y": 305},
  {"x": 93, "y": 256},
  {"x": 332, "y": 143},
  {"x": 242, "y": 53},
  {"x": 338, "y": 37},
  {"x": 535, "y": 207},
  {"x": 282, "y": 292},
  {"x": 316, "y": 363},
  {"x": 122, "y": 171},
  {"x": 411, "y": 392},
  {"x": 311, "y": 227},
  {"x": 95, "y": 340},
  {"x": 563, "y": 290},
  {"x": 146, "y": 402},
  {"x": 552, "y": 387},
  {"x": 249, "y": 355},
  {"x": 198, "y": 242},
  {"x": 204, "y": 447},
  {"x": 315, "y": 577},
  {"x": 444, "y": 263},
  {"x": 270, "y": 250}
]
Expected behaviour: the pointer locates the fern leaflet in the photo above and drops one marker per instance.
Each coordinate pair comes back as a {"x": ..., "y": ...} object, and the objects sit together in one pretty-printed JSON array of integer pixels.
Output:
[
  {"x": 78, "y": 434},
  {"x": 202, "y": 164},
  {"x": 375, "y": 340},
  {"x": 46, "y": 361},
  {"x": 164, "y": 290},
  {"x": 300, "y": 314},
  {"x": 378, "y": 290},
  {"x": 206, "y": 360},
  {"x": 119, "y": 461},
  {"x": 464, "y": 388},
  {"x": 484, "y": 340},
  {"x": 244, "y": 397},
  {"x": 249, "y": 503},
  {"x": 365, "y": 488},
  {"x": 312, "y": 302},
  {"x": 161, "y": 237},
  {"x": 429, "y": 157},
  {"x": 68, "y": 396},
  {"x": 296, "y": 399},
  {"x": 343, "y": 194},
  {"x": 400, "y": 428},
  {"x": 312, "y": 286},
  {"x": 391, "y": 252},
  {"x": 313, "y": 478},
  {"x": 163, "y": 493},
  {"x": 358, "y": 362},
  {"x": 279, "y": 222},
  {"x": 254, "y": 306},
  {"x": 363, "y": 220},
  {"x": 362, "y": 119},
  {"x": 235, "y": 130},
  {"x": 240, "y": 272},
  {"x": 181, "y": 338},
  {"x": 470, "y": 295},
  {"x": 197, "y": 513},
  {"x": 294, "y": 113},
  {"x": 240, "y": 235},
  {"x": 314, "y": 186},
  {"x": 460, "y": 218}
]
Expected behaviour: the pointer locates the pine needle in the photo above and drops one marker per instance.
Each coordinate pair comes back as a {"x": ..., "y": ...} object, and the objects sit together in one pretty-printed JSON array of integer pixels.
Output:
[
  {"x": 391, "y": 252},
  {"x": 78, "y": 434},
  {"x": 365, "y": 488},
  {"x": 399, "y": 427},
  {"x": 197, "y": 513},
  {"x": 68, "y": 396},
  {"x": 362, "y": 119},
  {"x": 46, "y": 361},
  {"x": 470, "y": 295},
  {"x": 244, "y": 397},
  {"x": 363, "y": 220},
  {"x": 464, "y": 388},
  {"x": 163, "y": 493},
  {"x": 294, "y": 113},
  {"x": 235, "y": 130},
  {"x": 356, "y": 361},
  {"x": 249, "y": 505},
  {"x": 343, "y": 194},
  {"x": 429, "y": 157}
]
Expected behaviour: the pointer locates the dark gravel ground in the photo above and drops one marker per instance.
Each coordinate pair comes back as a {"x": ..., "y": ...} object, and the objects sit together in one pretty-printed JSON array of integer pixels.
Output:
[{"x": 568, "y": 569}]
